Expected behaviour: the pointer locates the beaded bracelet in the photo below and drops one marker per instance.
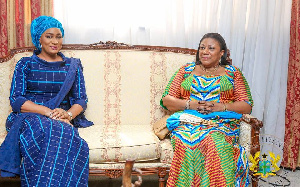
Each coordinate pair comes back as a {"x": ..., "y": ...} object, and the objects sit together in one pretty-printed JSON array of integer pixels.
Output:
[{"x": 187, "y": 104}]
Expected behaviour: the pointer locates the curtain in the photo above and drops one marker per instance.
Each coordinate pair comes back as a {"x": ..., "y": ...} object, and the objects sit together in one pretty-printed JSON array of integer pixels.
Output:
[
  {"x": 15, "y": 19},
  {"x": 256, "y": 32},
  {"x": 3, "y": 28},
  {"x": 291, "y": 156}
]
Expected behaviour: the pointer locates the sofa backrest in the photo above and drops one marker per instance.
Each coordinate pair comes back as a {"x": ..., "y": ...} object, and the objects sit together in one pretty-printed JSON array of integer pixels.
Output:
[{"x": 124, "y": 83}]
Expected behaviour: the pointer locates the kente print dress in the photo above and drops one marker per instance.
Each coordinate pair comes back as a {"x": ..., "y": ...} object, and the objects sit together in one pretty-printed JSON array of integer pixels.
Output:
[
  {"x": 206, "y": 152},
  {"x": 44, "y": 151}
]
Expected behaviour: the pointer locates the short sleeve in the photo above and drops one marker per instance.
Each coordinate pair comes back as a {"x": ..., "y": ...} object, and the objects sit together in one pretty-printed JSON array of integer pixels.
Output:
[
  {"x": 241, "y": 88},
  {"x": 174, "y": 86}
]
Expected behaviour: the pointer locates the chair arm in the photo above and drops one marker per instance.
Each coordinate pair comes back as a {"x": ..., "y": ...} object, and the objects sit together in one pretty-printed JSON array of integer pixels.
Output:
[{"x": 255, "y": 129}]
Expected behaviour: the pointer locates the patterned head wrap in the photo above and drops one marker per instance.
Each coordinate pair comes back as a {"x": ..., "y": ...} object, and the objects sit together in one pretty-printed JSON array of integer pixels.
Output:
[{"x": 39, "y": 25}]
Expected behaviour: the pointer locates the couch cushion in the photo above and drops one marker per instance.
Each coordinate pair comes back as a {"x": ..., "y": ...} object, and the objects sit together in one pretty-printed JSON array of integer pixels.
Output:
[{"x": 136, "y": 142}]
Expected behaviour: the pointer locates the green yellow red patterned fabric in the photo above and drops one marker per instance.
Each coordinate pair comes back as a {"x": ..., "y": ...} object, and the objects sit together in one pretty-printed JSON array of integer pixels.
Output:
[{"x": 206, "y": 155}]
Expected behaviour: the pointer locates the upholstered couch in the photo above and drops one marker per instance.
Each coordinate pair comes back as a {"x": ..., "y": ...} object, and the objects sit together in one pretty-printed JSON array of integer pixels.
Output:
[{"x": 124, "y": 85}]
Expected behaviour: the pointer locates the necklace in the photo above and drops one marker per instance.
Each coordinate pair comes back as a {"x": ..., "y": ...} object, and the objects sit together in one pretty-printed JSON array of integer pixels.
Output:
[{"x": 215, "y": 68}]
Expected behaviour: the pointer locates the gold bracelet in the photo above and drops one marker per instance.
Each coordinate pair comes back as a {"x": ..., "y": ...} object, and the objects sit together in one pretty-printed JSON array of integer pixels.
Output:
[{"x": 225, "y": 107}]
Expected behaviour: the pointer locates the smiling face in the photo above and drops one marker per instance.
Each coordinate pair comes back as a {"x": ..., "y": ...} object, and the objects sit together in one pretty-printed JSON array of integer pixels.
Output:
[
  {"x": 51, "y": 41},
  {"x": 210, "y": 52}
]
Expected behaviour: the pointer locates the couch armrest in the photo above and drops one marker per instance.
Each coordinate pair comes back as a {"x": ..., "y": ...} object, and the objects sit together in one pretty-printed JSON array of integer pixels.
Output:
[
  {"x": 250, "y": 128},
  {"x": 255, "y": 125}
]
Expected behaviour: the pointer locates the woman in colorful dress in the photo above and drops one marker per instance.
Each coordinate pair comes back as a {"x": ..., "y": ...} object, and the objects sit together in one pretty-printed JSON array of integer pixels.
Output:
[
  {"x": 208, "y": 97},
  {"x": 48, "y": 98}
]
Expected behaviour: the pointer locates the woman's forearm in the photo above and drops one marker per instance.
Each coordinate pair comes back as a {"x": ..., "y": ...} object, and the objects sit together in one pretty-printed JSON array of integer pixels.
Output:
[
  {"x": 30, "y": 106},
  {"x": 174, "y": 104},
  {"x": 239, "y": 106}
]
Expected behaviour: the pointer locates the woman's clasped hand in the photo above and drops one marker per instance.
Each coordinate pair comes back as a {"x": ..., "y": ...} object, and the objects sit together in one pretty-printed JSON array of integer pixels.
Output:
[
  {"x": 59, "y": 114},
  {"x": 206, "y": 107}
]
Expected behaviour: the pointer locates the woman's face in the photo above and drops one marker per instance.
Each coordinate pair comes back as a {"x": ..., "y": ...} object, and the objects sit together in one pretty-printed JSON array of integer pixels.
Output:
[
  {"x": 51, "y": 41},
  {"x": 210, "y": 52}
]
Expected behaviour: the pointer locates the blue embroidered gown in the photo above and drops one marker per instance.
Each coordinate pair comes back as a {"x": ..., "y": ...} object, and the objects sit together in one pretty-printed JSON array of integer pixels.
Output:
[{"x": 51, "y": 152}]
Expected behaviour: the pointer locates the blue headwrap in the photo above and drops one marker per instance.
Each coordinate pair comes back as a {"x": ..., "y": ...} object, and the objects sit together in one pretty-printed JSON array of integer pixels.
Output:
[{"x": 39, "y": 25}]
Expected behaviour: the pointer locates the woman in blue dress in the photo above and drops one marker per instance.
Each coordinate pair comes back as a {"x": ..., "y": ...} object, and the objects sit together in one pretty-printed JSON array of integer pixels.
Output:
[{"x": 48, "y": 98}]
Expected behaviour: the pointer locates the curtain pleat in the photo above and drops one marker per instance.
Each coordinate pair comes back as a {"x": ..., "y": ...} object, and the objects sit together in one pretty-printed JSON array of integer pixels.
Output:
[
  {"x": 291, "y": 154},
  {"x": 3, "y": 28},
  {"x": 11, "y": 30},
  {"x": 36, "y": 8},
  {"x": 19, "y": 19},
  {"x": 15, "y": 20},
  {"x": 46, "y": 7}
]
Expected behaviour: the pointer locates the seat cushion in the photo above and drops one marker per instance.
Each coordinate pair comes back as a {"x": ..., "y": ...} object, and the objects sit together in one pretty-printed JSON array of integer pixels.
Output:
[{"x": 136, "y": 142}]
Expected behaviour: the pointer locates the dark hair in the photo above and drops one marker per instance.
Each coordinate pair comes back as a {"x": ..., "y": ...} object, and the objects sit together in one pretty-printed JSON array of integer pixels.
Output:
[{"x": 222, "y": 44}]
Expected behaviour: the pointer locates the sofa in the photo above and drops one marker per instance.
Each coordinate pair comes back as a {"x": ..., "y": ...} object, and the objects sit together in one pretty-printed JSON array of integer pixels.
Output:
[{"x": 124, "y": 85}]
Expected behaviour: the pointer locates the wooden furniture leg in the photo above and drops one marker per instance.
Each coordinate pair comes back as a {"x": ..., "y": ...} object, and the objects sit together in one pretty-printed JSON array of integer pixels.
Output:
[
  {"x": 127, "y": 173},
  {"x": 126, "y": 180},
  {"x": 162, "y": 172}
]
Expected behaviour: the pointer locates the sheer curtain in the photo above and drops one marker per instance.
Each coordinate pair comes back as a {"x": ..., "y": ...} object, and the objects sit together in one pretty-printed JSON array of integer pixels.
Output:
[{"x": 256, "y": 32}]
